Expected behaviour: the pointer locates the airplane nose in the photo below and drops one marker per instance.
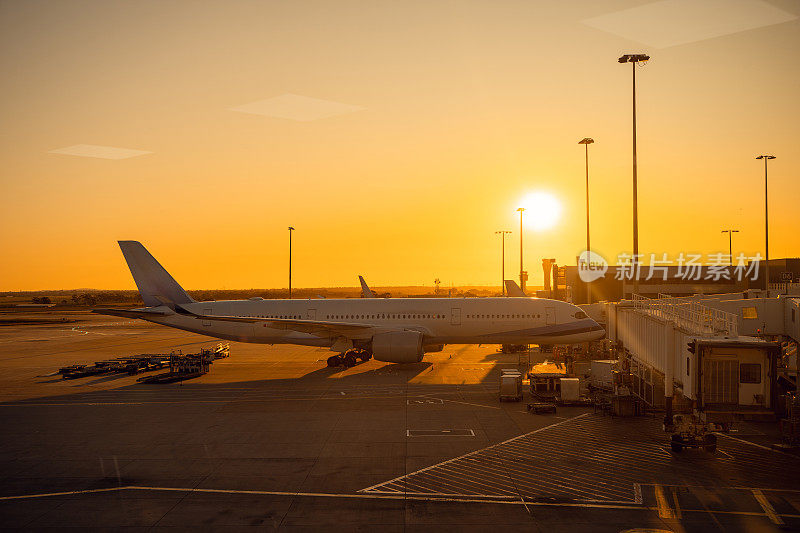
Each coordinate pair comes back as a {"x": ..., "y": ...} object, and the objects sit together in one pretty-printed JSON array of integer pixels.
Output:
[{"x": 598, "y": 332}]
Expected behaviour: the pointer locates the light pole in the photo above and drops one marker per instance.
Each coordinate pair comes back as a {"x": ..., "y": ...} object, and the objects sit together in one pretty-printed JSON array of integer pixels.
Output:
[
  {"x": 586, "y": 142},
  {"x": 633, "y": 59},
  {"x": 291, "y": 229},
  {"x": 766, "y": 221},
  {"x": 521, "y": 270},
  {"x": 730, "y": 233},
  {"x": 503, "y": 234}
]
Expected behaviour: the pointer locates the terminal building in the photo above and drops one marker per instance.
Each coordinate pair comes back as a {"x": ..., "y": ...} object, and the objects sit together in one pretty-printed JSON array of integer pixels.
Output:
[{"x": 672, "y": 280}]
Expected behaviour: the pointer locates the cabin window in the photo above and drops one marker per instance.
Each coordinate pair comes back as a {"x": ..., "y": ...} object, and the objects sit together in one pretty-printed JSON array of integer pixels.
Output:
[
  {"x": 579, "y": 315},
  {"x": 750, "y": 373}
]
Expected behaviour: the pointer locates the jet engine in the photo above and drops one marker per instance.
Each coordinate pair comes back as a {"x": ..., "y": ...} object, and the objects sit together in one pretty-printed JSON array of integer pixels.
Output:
[
  {"x": 433, "y": 348},
  {"x": 398, "y": 347}
]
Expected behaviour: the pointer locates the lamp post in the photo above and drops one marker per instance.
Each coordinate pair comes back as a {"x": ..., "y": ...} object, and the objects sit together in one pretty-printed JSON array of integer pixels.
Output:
[
  {"x": 521, "y": 270},
  {"x": 291, "y": 229},
  {"x": 633, "y": 59},
  {"x": 586, "y": 142},
  {"x": 730, "y": 233},
  {"x": 766, "y": 221},
  {"x": 503, "y": 234}
]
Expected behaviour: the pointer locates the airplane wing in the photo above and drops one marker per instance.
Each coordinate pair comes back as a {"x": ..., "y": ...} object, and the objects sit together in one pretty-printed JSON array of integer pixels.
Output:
[
  {"x": 366, "y": 292},
  {"x": 134, "y": 313}
]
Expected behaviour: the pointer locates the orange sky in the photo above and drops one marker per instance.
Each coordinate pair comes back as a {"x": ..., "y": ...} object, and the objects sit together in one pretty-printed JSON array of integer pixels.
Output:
[{"x": 468, "y": 106}]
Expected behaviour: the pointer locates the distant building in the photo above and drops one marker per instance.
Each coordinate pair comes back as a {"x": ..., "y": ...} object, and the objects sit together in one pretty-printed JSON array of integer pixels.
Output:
[{"x": 673, "y": 280}]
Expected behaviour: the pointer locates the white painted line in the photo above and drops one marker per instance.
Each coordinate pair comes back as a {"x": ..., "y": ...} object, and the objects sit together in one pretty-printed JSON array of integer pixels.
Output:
[
  {"x": 189, "y": 400},
  {"x": 426, "y": 401},
  {"x": 769, "y": 510},
  {"x": 474, "y": 404},
  {"x": 398, "y": 478},
  {"x": 440, "y": 433},
  {"x": 756, "y": 445}
]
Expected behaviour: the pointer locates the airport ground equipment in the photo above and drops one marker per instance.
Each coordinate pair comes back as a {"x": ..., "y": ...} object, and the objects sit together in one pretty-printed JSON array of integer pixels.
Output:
[
  {"x": 540, "y": 408},
  {"x": 513, "y": 348},
  {"x": 187, "y": 366},
  {"x": 510, "y": 385},
  {"x": 134, "y": 364},
  {"x": 545, "y": 380},
  {"x": 601, "y": 374},
  {"x": 790, "y": 426},
  {"x": 349, "y": 358},
  {"x": 570, "y": 389},
  {"x": 692, "y": 432}
]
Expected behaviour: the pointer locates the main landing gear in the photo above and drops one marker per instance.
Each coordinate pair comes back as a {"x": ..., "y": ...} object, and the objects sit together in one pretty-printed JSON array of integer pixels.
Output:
[{"x": 349, "y": 358}]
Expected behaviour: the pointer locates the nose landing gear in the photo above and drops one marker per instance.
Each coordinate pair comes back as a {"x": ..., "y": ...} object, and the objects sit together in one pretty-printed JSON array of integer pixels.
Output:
[{"x": 349, "y": 358}]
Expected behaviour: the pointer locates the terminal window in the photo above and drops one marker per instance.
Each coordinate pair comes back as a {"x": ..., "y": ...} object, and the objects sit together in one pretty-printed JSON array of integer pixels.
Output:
[
  {"x": 750, "y": 373},
  {"x": 749, "y": 312}
]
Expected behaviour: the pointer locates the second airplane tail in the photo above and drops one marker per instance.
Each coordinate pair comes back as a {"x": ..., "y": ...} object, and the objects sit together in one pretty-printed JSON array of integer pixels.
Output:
[{"x": 155, "y": 284}]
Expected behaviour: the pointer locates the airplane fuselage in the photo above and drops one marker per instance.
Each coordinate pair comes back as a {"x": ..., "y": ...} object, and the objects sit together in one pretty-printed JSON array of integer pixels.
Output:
[{"x": 441, "y": 320}]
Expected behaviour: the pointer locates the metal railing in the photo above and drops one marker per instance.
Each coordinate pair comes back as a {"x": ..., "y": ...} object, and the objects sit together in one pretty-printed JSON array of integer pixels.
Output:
[
  {"x": 689, "y": 315},
  {"x": 785, "y": 288}
]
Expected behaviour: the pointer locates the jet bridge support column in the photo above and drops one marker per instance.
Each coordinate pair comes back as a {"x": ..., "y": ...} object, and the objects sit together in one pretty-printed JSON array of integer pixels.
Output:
[{"x": 669, "y": 370}]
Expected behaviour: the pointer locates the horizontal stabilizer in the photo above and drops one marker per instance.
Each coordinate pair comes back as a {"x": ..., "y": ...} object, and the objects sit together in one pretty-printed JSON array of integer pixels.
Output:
[{"x": 134, "y": 313}]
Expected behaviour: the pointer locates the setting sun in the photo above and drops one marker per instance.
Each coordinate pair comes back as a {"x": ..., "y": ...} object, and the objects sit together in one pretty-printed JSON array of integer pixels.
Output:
[{"x": 542, "y": 210}]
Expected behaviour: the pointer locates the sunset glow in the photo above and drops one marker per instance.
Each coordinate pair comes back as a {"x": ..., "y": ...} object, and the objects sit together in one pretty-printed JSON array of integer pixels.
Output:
[{"x": 396, "y": 138}]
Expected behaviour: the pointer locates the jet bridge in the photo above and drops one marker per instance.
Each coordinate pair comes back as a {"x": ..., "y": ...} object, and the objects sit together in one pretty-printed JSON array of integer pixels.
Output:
[{"x": 660, "y": 340}]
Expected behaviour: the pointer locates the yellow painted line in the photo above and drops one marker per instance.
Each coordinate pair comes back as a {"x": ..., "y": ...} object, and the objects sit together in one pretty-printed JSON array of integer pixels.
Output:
[
  {"x": 65, "y": 493},
  {"x": 398, "y": 496},
  {"x": 769, "y": 510},
  {"x": 677, "y": 505},
  {"x": 664, "y": 510}
]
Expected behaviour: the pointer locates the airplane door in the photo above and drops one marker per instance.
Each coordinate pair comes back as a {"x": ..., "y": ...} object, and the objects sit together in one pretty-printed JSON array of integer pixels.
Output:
[
  {"x": 550, "y": 316},
  {"x": 311, "y": 314},
  {"x": 455, "y": 316},
  {"x": 207, "y": 312}
]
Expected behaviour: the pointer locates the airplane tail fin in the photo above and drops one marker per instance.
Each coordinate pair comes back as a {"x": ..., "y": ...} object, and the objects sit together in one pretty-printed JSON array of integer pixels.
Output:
[
  {"x": 513, "y": 290},
  {"x": 366, "y": 292},
  {"x": 155, "y": 284}
]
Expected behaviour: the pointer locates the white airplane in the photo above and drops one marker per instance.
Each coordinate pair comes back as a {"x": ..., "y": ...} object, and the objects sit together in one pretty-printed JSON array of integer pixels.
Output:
[{"x": 396, "y": 330}]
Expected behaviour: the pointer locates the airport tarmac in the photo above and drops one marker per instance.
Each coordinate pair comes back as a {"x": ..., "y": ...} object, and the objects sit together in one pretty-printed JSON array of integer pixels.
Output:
[{"x": 273, "y": 438}]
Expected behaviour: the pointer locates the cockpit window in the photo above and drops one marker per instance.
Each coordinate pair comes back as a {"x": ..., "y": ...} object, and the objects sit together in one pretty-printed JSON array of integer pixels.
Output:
[{"x": 579, "y": 315}]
